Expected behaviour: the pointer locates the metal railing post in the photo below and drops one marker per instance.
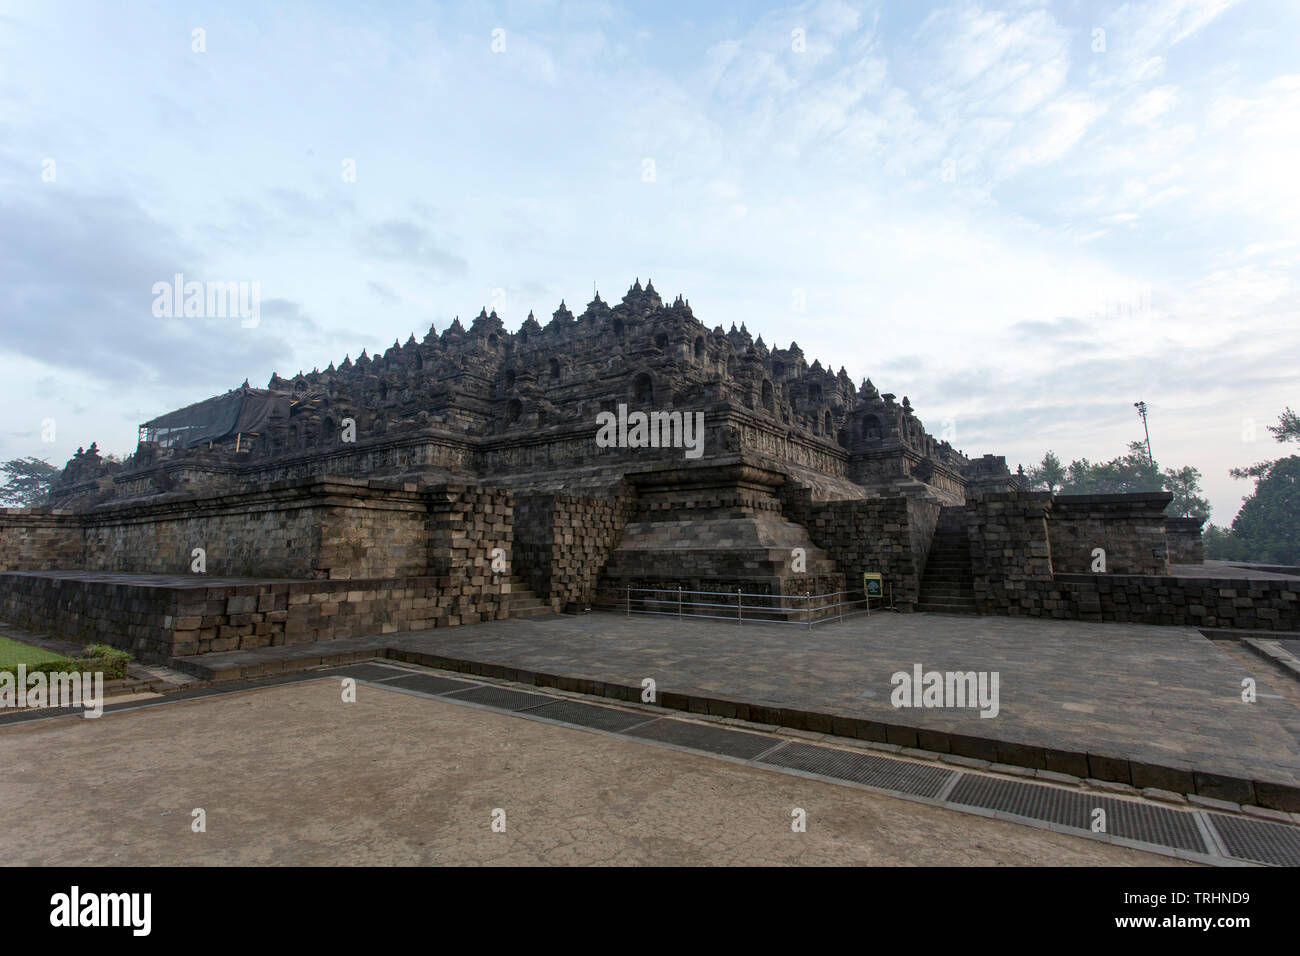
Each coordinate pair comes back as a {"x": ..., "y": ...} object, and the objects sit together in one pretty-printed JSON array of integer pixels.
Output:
[
  {"x": 740, "y": 608},
  {"x": 679, "y": 601},
  {"x": 807, "y": 600},
  {"x": 629, "y": 600},
  {"x": 839, "y": 600}
]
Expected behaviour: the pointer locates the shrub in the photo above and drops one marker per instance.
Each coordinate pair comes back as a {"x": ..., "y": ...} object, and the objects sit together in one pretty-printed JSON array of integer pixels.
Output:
[
  {"x": 55, "y": 665},
  {"x": 102, "y": 657},
  {"x": 109, "y": 661}
]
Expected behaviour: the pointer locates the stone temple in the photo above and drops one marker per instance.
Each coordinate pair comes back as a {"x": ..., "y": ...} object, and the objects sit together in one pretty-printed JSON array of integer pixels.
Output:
[{"x": 458, "y": 479}]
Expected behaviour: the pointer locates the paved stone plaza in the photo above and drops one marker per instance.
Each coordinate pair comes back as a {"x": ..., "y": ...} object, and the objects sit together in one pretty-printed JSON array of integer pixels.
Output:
[
  {"x": 289, "y": 775},
  {"x": 1159, "y": 695}
]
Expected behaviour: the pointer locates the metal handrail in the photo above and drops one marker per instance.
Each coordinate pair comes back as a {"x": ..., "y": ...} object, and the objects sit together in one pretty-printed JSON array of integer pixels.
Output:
[
  {"x": 799, "y": 605},
  {"x": 724, "y": 593}
]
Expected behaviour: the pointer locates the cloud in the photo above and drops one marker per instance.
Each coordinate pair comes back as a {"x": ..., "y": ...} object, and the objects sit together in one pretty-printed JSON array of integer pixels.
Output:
[
  {"x": 76, "y": 278},
  {"x": 1151, "y": 105},
  {"x": 384, "y": 292},
  {"x": 404, "y": 240}
]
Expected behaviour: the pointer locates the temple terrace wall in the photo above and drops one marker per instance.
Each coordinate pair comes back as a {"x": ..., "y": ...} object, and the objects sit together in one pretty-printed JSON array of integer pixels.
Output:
[
  {"x": 1016, "y": 572},
  {"x": 310, "y": 561},
  {"x": 335, "y": 528},
  {"x": 1128, "y": 529},
  {"x": 889, "y": 534},
  {"x": 1184, "y": 537},
  {"x": 563, "y": 541},
  {"x": 158, "y": 617}
]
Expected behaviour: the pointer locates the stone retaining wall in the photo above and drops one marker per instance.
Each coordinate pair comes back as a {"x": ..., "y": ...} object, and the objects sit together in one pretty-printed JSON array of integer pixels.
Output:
[
  {"x": 337, "y": 528},
  {"x": 1017, "y": 570},
  {"x": 584, "y": 530},
  {"x": 136, "y": 617},
  {"x": 1129, "y": 529},
  {"x": 563, "y": 542},
  {"x": 886, "y": 534},
  {"x": 384, "y": 557},
  {"x": 39, "y": 539},
  {"x": 1245, "y": 603},
  {"x": 156, "y": 619},
  {"x": 1011, "y": 556},
  {"x": 1185, "y": 543}
]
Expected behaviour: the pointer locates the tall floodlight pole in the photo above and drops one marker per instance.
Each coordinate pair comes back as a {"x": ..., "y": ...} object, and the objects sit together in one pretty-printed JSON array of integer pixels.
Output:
[{"x": 1142, "y": 411}]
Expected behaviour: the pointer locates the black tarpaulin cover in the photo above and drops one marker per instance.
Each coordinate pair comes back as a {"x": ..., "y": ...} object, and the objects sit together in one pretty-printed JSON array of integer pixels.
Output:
[{"x": 243, "y": 409}]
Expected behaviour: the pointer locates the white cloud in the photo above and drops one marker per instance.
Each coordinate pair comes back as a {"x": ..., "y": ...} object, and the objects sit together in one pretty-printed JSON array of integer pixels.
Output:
[{"x": 1151, "y": 105}]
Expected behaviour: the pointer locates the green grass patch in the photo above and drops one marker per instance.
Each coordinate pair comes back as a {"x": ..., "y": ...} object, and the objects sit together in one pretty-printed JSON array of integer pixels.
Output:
[
  {"x": 12, "y": 654},
  {"x": 95, "y": 658}
]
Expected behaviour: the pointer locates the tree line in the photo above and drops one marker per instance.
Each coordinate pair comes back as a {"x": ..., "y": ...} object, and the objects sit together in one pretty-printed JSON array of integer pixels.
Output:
[{"x": 1266, "y": 529}]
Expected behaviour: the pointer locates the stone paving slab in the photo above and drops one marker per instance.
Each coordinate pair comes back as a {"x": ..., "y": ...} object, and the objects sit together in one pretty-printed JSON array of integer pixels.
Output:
[
  {"x": 1220, "y": 569},
  {"x": 170, "y": 581},
  {"x": 1150, "y": 706}
]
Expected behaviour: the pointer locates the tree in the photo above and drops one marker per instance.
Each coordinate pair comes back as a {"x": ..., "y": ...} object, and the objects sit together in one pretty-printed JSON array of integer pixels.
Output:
[
  {"x": 29, "y": 481},
  {"x": 1267, "y": 528},
  {"x": 1185, "y": 482},
  {"x": 1287, "y": 427},
  {"x": 1047, "y": 476},
  {"x": 1129, "y": 473},
  {"x": 1126, "y": 474},
  {"x": 1219, "y": 544}
]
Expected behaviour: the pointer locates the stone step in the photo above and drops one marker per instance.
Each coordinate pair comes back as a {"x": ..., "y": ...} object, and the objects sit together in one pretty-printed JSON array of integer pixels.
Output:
[
  {"x": 946, "y": 608},
  {"x": 538, "y": 611},
  {"x": 953, "y": 590}
]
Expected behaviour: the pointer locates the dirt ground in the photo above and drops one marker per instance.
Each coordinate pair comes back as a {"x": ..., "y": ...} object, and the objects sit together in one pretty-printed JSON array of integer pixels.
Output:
[{"x": 293, "y": 775}]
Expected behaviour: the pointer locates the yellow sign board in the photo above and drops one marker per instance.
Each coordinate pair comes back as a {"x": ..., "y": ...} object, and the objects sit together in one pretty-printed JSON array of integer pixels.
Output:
[{"x": 873, "y": 584}]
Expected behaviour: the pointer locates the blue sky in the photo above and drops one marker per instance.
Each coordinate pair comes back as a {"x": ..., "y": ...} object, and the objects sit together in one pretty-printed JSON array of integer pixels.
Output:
[{"x": 980, "y": 205}]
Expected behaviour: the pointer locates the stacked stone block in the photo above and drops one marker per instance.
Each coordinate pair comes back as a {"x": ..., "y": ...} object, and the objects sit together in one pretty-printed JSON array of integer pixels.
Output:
[
  {"x": 1129, "y": 529},
  {"x": 467, "y": 524},
  {"x": 564, "y": 541},
  {"x": 886, "y": 534},
  {"x": 1239, "y": 603},
  {"x": 385, "y": 556},
  {"x": 534, "y": 541},
  {"x": 137, "y": 617},
  {"x": 35, "y": 539},
  {"x": 1184, "y": 538},
  {"x": 1010, "y": 552},
  {"x": 585, "y": 530}
]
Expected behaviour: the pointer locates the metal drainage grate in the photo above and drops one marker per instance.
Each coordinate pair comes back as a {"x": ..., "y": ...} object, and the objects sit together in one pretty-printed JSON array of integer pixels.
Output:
[
  {"x": 1071, "y": 808},
  {"x": 371, "y": 672},
  {"x": 874, "y": 771},
  {"x": 1258, "y": 840},
  {"x": 295, "y": 677},
  {"x": 501, "y": 697},
  {"x": 430, "y": 684},
  {"x": 730, "y": 743},
  {"x": 587, "y": 715},
  {"x": 20, "y": 716}
]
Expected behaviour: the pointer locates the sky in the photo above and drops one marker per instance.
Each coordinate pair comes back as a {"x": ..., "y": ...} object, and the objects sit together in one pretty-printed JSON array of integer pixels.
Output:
[{"x": 1024, "y": 216}]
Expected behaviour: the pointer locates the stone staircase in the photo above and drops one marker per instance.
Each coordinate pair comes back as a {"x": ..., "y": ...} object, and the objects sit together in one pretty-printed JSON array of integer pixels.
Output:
[
  {"x": 523, "y": 602},
  {"x": 946, "y": 586}
]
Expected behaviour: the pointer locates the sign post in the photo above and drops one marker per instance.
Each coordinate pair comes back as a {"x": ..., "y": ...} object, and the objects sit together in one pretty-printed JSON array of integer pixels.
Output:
[{"x": 872, "y": 587}]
